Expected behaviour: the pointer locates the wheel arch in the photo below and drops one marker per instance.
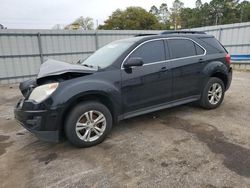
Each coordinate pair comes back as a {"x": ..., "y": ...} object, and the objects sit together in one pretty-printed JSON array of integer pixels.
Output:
[
  {"x": 217, "y": 69},
  {"x": 221, "y": 76},
  {"x": 92, "y": 96}
]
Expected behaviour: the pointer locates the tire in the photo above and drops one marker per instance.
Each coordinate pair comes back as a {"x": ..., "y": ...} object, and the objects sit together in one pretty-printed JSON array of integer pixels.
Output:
[
  {"x": 206, "y": 100},
  {"x": 82, "y": 128}
]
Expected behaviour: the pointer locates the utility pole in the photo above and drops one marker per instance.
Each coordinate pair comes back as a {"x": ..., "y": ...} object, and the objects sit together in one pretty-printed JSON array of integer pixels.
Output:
[
  {"x": 175, "y": 24},
  {"x": 216, "y": 18}
]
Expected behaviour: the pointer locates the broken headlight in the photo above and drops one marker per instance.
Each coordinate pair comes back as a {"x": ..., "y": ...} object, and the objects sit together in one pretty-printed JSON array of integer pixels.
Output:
[{"x": 42, "y": 92}]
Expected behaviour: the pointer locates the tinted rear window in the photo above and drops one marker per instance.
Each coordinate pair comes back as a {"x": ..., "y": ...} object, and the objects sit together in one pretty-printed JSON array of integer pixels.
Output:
[
  {"x": 213, "y": 43},
  {"x": 181, "y": 48}
]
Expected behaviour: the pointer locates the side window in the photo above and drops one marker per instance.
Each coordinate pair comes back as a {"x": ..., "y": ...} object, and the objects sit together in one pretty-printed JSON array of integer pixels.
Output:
[
  {"x": 150, "y": 52},
  {"x": 199, "y": 50},
  {"x": 181, "y": 48}
]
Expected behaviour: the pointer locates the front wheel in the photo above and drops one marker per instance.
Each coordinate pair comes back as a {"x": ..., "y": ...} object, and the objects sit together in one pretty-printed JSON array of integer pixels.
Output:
[
  {"x": 213, "y": 93},
  {"x": 88, "y": 124}
]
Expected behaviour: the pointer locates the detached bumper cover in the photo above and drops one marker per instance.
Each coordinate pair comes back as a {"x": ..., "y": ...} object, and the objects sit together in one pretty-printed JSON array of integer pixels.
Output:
[{"x": 45, "y": 124}]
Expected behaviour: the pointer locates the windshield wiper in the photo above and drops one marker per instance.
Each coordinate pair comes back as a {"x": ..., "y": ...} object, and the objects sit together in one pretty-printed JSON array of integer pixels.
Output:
[
  {"x": 91, "y": 66},
  {"x": 86, "y": 65},
  {"x": 80, "y": 61}
]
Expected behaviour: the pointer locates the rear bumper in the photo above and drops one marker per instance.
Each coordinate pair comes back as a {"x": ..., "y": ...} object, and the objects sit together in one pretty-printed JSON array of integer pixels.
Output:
[
  {"x": 229, "y": 78},
  {"x": 44, "y": 124}
]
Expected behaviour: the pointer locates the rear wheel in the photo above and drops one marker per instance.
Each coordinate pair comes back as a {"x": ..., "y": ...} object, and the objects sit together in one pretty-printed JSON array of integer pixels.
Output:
[
  {"x": 213, "y": 93},
  {"x": 88, "y": 124}
]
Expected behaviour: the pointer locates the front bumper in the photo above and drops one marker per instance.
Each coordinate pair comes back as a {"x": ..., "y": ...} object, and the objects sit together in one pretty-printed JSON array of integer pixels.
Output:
[{"x": 44, "y": 123}]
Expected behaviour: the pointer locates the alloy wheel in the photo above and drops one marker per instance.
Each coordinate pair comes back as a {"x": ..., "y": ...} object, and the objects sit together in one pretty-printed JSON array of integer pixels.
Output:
[
  {"x": 90, "y": 126},
  {"x": 214, "y": 93}
]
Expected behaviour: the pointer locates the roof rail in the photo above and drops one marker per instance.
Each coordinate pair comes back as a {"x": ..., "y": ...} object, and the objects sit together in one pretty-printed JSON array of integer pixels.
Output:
[
  {"x": 144, "y": 34},
  {"x": 182, "y": 32}
]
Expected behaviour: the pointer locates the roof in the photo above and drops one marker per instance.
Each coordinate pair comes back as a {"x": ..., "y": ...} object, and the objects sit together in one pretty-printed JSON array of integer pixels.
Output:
[{"x": 165, "y": 34}]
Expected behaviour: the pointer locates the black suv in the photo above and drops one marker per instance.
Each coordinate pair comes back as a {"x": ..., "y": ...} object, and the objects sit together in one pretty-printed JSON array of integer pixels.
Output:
[{"x": 123, "y": 79}]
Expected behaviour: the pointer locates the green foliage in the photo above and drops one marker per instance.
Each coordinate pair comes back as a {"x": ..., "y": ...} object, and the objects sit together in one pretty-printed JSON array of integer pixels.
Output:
[
  {"x": 213, "y": 13},
  {"x": 244, "y": 11},
  {"x": 81, "y": 23},
  {"x": 176, "y": 13},
  {"x": 162, "y": 14},
  {"x": 132, "y": 18}
]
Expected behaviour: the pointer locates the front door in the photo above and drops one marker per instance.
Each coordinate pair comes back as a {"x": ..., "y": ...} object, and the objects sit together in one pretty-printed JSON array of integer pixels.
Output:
[{"x": 150, "y": 84}]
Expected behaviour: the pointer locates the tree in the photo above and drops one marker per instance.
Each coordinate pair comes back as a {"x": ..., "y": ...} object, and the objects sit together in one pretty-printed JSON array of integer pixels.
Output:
[
  {"x": 244, "y": 11},
  {"x": 164, "y": 13},
  {"x": 131, "y": 18},
  {"x": 82, "y": 24},
  {"x": 205, "y": 15},
  {"x": 230, "y": 12},
  {"x": 195, "y": 17},
  {"x": 154, "y": 10},
  {"x": 224, "y": 12},
  {"x": 175, "y": 12},
  {"x": 188, "y": 18},
  {"x": 198, "y": 4}
]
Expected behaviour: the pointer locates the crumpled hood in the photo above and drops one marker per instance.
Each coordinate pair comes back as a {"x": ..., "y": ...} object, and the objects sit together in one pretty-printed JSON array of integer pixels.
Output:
[{"x": 53, "y": 67}]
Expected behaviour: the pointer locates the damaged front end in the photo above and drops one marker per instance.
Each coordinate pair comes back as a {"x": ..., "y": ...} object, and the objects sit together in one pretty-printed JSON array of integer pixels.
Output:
[
  {"x": 34, "y": 112},
  {"x": 54, "y": 71}
]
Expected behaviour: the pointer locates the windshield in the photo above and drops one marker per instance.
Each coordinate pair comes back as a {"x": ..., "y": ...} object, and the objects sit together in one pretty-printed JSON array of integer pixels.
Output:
[{"x": 106, "y": 55}]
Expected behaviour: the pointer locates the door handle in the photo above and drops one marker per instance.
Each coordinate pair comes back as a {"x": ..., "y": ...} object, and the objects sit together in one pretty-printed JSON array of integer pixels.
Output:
[
  {"x": 164, "y": 69},
  {"x": 201, "y": 60}
]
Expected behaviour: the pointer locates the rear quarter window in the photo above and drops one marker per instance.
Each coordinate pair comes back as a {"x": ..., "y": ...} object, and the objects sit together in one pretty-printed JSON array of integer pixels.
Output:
[
  {"x": 213, "y": 45},
  {"x": 199, "y": 50}
]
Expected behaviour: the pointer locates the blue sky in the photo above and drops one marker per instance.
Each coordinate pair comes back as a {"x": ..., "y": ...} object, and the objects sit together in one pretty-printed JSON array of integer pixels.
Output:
[{"x": 43, "y": 14}]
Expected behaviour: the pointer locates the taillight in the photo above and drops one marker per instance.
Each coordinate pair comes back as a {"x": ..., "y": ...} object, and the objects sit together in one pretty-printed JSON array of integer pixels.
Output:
[{"x": 228, "y": 59}]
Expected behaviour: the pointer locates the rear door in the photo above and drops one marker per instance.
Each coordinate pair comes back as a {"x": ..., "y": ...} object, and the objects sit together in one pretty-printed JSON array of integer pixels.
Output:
[
  {"x": 149, "y": 84},
  {"x": 187, "y": 63}
]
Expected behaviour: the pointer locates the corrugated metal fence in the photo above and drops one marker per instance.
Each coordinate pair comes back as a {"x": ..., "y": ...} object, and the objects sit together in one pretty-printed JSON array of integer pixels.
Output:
[
  {"x": 235, "y": 37},
  {"x": 22, "y": 51}
]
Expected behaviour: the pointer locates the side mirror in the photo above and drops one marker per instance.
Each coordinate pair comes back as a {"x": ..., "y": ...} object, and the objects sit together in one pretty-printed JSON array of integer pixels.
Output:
[{"x": 133, "y": 62}]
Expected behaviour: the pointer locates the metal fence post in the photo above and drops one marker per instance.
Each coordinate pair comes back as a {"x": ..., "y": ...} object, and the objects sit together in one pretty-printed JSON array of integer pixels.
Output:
[
  {"x": 40, "y": 47},
  {"x": 96, "y": 41},
  {"x": 220, "y": 31}
]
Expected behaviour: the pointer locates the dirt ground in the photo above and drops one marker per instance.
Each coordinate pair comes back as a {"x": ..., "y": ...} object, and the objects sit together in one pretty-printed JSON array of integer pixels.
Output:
[{"x": 180, "y": 147}]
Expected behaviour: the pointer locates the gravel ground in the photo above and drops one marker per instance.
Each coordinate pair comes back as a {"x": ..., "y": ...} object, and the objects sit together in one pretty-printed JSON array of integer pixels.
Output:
[{"x": 180, "y": 147}]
